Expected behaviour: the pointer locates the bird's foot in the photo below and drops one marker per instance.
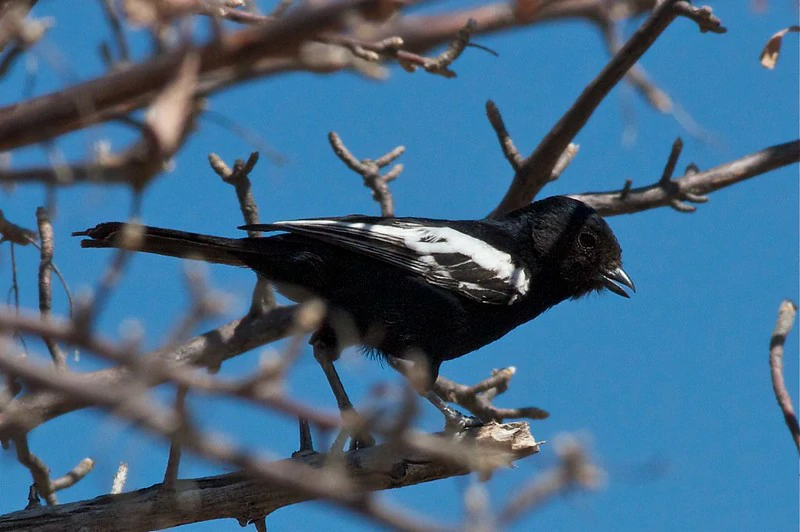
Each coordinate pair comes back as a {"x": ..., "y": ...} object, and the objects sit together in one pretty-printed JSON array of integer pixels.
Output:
[
  {"x": 458, "y": 422},
  {"x": 455, "y": 421}
]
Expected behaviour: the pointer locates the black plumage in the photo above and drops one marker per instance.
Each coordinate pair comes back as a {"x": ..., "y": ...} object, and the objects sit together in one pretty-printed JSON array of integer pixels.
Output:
[{"x": 413, "y": 287}]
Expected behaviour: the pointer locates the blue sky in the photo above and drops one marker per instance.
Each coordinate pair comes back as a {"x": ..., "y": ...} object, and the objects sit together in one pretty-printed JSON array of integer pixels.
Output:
[{"x": 670, "y": 388}]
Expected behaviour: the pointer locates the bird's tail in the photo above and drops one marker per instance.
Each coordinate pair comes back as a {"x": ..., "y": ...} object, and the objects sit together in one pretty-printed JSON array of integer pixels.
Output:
[{"x": 167, "y": 242}]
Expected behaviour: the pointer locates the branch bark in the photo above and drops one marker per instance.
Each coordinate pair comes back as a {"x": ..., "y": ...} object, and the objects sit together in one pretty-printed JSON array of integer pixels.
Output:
[
  {"x": 786, "y": 315},
  {"x": 209, "y": 349},
  {"x": 631, "y": 200},
  {"x": 129, "y": 89},
  {"x": 536, "y": 170},
  {"x": 244, "y": 498}
]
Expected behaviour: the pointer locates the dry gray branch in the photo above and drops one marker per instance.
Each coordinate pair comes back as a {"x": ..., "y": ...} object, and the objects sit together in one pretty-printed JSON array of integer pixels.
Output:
[
  {"x": 207, "y": 350},
  {"x": 536, "y": 171},
  {"x": 239, "y": 178},
  {"x": 243, "y": 497},
  {"x": 370, "y": 171},
  {"x": 693, "y": 185},
  {"x": 45, "y": 289}
]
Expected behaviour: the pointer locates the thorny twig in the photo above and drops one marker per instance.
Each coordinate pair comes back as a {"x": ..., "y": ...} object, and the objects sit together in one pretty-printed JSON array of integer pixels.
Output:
[
  {"x": 392, "y": 47},
  {"x": 786, "y": 315},
  {"x": 440, "y": 64}
]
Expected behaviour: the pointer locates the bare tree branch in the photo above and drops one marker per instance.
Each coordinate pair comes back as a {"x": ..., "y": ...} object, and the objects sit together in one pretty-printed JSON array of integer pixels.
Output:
[
  {"x": 629, "y": 200},
  {"x": 45, "y": 290},
  {"x": 11, "y": 232},
  {"x": 288, "y": 481},
  {"x": 239, "y": 178},
  {"x": 126, "y": 90},
  {"x": 786, "y": 315},
  {"x": 537, "y": 169},
  {"x": 575, "y": 471},
  {"x": 370, "y": 170},
  {"x": 209, "y": 349}
]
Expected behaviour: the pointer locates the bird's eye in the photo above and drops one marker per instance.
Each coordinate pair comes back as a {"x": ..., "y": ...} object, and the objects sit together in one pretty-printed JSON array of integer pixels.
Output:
[{"x": 587, "y": 240}]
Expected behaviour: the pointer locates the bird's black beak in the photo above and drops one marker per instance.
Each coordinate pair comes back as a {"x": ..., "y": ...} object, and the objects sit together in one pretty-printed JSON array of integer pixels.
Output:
[{"x": 614, "y": 278}]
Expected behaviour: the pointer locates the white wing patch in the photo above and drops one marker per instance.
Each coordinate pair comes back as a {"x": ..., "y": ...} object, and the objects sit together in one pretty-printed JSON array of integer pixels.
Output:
[{"x": 442, "y": 255}]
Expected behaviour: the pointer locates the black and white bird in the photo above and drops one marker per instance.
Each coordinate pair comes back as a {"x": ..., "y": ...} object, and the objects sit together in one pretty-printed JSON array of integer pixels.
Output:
[{"x": 416, "y": 288}]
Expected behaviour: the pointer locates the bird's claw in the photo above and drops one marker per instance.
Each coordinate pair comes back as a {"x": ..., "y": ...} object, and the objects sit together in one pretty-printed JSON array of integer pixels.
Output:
[{"x": 460, "y": 422}]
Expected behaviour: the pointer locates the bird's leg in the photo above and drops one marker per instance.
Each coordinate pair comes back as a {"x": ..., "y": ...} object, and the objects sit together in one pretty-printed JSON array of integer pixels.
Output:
[
  {"x": 454, "y": 420},
  {"x": 326, "y": 350},
  {"x": 424, "y": 384},
  {"x": 306, "y": 443}
]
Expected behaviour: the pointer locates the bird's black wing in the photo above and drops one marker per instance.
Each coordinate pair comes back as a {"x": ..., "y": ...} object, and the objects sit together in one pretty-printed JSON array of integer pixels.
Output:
[{"x": 441, "y": 254}]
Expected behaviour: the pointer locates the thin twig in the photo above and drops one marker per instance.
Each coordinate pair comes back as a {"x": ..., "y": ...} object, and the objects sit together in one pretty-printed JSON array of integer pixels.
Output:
[
  {"x": 786, "y": 315},
  {"x": 575, "y": 471},
  {"x": 83, "y": 468},
  {"x": 478, "y": 397},
  {"x": 239, "y": 178},
  {"x": 11, "y": 232},
  {"x": 669, "y": 168},
  {"x": 693, "y": 185},
  {"x": 506, "y": 144},
  {"x": 369, "y": 170},
  {"x": 174, "y": 460},
  {"x": 45, "y": 290},
  {"x": 39, "y": 471},
  {"x": 117, "y": 31}
]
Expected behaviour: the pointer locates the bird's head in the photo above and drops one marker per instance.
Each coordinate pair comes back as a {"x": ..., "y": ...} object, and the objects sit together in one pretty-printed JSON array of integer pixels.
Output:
[{"x": 579, "y": 245}]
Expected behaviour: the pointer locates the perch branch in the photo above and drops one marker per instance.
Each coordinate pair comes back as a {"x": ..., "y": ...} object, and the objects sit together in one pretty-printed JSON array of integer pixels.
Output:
[{"x": 299, "y": 476}]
